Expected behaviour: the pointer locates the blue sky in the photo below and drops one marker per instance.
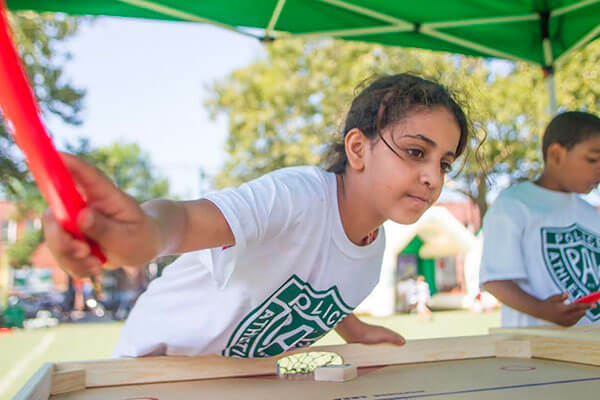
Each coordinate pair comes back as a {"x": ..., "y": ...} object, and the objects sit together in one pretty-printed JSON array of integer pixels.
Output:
[{"x": 146, "y": 83}]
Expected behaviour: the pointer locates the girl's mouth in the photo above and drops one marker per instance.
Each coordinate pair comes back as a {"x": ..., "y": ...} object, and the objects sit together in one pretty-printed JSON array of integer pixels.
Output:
[{"x": 419, "y": 199}]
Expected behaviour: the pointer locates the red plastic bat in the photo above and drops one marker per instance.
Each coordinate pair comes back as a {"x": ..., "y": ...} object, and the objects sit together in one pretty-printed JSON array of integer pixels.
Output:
[
  {"x": 590, "y": 298},
  {"x": 19, "y": 110}
]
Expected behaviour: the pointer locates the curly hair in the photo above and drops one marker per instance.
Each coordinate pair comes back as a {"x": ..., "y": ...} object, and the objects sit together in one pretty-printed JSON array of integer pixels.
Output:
[{"x": 389, "y": 99}]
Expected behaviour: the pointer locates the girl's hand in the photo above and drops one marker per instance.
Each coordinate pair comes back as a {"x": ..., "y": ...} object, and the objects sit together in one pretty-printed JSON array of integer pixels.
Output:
[
  {"x": 353, "y": 330},
  {"x": 373, "y": 334},
  {"x": 126, "y": 235}
]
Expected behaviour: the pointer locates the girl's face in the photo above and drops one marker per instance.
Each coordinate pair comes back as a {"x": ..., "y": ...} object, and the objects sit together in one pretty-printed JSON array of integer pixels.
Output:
[{"x": 407, "y": 165}]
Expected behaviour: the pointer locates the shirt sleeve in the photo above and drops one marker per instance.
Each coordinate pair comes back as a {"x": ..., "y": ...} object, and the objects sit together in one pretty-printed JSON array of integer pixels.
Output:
[
  {"x": 259, "y": 210},
  {"x": 502, "y": 256}
]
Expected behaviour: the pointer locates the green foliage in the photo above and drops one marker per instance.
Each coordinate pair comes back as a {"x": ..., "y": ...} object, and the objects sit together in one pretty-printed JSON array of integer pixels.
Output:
[
  {"x": 38, "y": 37},
  {"x": 578, "y": 80},
  {"x": 19, "y": 253},
  {"x": 27, "y": 199},
  {"x": 127, "y": 165},
  {"x": 284, "y": 109}
]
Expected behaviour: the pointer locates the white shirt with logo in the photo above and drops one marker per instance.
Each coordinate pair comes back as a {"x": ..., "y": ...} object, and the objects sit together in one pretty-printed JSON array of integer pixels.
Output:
[
  {"x": 292, "y": 275},
  {"x": 548, "y": 242}
]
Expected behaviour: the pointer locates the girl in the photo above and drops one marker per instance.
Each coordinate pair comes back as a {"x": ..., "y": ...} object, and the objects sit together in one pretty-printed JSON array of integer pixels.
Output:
[{"x": 281, "y": 260}]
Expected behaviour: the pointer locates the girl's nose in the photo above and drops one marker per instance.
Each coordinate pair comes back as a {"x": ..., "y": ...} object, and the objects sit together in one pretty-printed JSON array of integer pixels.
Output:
[
  {"x": 432, "y": 178},
  {"x": 425, "y": 179}
]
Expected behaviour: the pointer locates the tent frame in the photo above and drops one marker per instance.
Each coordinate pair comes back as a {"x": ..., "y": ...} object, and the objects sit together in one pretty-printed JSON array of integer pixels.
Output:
[
  {"x": 396, "y": 25},
  {"x": 431, "y": 29}
]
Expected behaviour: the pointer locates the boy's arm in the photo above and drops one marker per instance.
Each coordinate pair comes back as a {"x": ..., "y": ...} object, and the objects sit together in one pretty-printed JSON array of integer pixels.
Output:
[
  {"x": 509, "y": 293},
  {"x": 552, "y": 309}
]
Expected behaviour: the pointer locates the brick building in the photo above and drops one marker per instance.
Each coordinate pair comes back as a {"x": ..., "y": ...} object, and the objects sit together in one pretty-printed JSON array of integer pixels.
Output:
[{"x": 12, "y": 230}]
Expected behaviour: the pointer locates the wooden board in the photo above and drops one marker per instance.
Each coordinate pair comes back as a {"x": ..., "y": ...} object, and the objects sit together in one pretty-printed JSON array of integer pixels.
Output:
[
  {"x": 579, "y": 344},
  {"x": 478, "y": 369},
  {"x": 477, "y": 379},
  {"x": 67, "y": 381},
  {"x": 168, "y": 369},
  {"x": 513, "y": 348},
  {"x": 584, "y": 332}
]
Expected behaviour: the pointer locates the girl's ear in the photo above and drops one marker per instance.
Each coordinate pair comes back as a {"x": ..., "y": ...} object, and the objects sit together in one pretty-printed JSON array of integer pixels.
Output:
[{"x": 356, "y": 148}]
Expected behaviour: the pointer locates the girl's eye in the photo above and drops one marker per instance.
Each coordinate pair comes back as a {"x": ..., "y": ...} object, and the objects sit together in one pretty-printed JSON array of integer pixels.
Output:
[
  {"x": 593, "y": 160},
  {"x": 446, "y": 167},
  {"x": 416, "y": 153}
]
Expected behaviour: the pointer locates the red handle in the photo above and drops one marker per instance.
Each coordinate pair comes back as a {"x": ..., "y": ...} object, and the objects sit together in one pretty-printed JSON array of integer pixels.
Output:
[
  {"x": 20, "y": 112},
  {"x": 590, "y": 298}
]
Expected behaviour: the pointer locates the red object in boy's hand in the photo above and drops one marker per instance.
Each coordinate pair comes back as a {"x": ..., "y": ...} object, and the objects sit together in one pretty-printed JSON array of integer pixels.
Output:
[
  {"x": 20, "y": 112},
  {"x": 590, "y": 298}
]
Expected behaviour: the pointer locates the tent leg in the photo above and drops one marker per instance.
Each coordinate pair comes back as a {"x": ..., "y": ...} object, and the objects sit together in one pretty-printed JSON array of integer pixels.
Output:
[{"x": 551, "y": 93}]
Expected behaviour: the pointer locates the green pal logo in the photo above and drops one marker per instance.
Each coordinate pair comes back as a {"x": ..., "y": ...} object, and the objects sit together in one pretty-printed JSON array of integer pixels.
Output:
[
  {"x": 572, "y": 257},
  {"x": 294, "y": 316}
]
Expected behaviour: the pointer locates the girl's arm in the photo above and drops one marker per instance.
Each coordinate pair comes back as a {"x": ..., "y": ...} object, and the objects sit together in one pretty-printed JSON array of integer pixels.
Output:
[
  {"x": 188, "y": 225},
  {"x": 552, "y": 309},
  {"x": 130, "y": 235},
  {"x": 349, "y": 328}
]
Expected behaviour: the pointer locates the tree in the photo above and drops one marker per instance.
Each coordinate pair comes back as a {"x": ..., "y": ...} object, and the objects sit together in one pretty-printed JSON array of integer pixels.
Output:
[
  {"x": 37, "y": 38},
  {"x": 127, "y": 166},
  {"x": 28, "y": 202},
  {"x": 19, "y": 253},
  {"x": 284, "y": 109},
  {"x": 578, "y": 80}
]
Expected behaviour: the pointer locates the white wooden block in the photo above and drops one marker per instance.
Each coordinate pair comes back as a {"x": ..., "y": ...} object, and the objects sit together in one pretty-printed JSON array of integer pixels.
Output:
[
  {"x": 513, "y": 349},
  {"x": 336, "y": 373}
]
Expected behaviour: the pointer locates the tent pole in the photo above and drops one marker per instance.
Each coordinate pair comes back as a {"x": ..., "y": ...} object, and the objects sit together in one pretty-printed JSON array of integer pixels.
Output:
[
  {"x": 551, "y": 87},
  {"x": 549, "y": 62}
]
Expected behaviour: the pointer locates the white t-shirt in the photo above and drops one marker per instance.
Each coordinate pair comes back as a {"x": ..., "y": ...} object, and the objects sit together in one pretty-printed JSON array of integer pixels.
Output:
[
  {"x": 292, "y": 275},
  {"x": 545, "y": 241},
  {"x": 423, "y": 292}
]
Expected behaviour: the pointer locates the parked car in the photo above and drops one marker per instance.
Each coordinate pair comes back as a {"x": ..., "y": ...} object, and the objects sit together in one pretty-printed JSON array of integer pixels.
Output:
[{"x": 31, "y": 304}]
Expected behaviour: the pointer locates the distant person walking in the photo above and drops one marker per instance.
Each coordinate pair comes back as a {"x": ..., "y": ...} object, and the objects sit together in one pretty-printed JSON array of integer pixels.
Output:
[{"x": 423, "y": 295}]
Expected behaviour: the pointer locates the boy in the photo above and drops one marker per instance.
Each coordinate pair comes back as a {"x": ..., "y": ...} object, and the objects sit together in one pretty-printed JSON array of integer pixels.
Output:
[{"x": 541, "y": 241}]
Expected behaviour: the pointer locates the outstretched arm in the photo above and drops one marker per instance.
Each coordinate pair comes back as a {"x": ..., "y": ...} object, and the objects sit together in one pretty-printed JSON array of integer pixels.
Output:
[
  {"x": 129, "y": 234},
  {"x": 188, "y": 225}
]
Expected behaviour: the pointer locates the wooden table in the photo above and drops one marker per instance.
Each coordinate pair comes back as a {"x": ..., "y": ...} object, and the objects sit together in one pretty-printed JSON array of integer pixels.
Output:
[{"x": 538, "y": 363}]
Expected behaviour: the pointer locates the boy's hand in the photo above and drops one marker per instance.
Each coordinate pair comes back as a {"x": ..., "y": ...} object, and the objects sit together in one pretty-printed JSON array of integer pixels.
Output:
[
  {"x": 126, "y": 235},
  {"x": 555, "y": 310}
]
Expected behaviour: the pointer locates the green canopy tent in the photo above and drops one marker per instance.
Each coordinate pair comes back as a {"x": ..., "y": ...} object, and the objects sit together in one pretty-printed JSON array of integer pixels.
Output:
[{"x": 543, "y": 32}]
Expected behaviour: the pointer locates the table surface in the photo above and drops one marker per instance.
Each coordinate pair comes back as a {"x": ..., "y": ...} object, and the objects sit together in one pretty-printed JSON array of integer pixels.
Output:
[{"x": 487, "y": 378}]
